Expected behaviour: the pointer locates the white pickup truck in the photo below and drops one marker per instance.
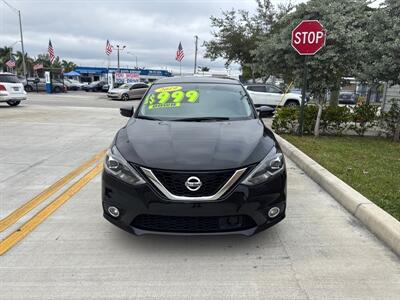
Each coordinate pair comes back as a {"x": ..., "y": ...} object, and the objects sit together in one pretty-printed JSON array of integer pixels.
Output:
[{"x": 270, "y": 95}]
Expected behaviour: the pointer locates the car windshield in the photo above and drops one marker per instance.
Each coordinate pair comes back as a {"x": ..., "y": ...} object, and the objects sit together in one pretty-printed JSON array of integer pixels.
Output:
[
  {"x": 9, "y": 78},
  {"x": 196, "y": 101},
  {"x": 126, "y": 86}
]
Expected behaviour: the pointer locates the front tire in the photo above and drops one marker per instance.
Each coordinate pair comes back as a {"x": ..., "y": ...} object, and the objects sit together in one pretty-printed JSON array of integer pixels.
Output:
[
  {"x": 125, "y": 97},
  {"x": 292, "y": 103},
  {"x": 13, "y": 102},
  {"x": 28, "y": 88}
]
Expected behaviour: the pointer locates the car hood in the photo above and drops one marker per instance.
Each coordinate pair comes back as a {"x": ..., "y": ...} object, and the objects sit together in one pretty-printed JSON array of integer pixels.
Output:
[
  {"x": 118, "y": 90},
  {"x": 194, "y": 145}
]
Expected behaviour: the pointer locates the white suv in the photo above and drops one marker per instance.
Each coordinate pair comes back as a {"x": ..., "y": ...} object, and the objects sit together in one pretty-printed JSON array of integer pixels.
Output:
[
  {"x": 270, "y": 95},
  {"x": 11, "y": 89}
]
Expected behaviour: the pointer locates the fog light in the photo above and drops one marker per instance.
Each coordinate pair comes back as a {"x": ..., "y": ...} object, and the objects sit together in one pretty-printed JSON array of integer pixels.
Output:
[
  {"x": 273, "y": 212},
  {"x": 112, "y": 210}
]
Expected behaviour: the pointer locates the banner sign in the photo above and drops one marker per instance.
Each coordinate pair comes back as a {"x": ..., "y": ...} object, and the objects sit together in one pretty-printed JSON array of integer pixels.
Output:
[
  {"x": 47, "y": 77},
  {"x": 126, "y": 77}
]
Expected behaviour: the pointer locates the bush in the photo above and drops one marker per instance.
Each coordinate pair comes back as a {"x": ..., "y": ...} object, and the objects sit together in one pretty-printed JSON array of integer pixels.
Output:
[
  {"x": 285, "y": 120},
  {"x": 391, "y": 118},
  {"x": 334, "y": 119},
  {"x": 364, "y": 117}
]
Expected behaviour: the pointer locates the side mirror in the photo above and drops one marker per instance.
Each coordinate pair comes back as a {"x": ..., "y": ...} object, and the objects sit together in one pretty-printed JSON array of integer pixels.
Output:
[
  {"x": 264, "y": 111},
  {"x": 127, "y": 111}
]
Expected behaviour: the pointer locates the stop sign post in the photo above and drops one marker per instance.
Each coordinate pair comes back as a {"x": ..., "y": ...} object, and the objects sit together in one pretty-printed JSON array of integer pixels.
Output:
[{"x": 307, "y": 39}]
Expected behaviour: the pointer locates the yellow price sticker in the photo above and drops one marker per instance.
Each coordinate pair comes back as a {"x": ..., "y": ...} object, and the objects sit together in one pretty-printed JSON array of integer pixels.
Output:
[
  {"x": 164, "y": 99},
  {"x": 171, "y": 88}
]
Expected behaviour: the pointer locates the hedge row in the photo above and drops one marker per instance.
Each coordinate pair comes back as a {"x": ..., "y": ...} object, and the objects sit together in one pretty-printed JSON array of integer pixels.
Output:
[{"x": 335, "y": 120}]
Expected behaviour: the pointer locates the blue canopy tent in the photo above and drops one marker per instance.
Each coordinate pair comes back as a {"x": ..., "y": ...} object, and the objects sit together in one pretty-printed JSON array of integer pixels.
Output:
[{"x": 72, "y": 73}]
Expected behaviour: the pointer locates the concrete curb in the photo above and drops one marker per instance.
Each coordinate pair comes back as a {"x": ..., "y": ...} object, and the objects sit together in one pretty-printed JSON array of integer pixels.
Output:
[{"x": 383, "y": 225}]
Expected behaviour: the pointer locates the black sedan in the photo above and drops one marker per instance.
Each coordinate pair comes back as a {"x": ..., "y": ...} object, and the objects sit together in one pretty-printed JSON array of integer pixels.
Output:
[
  {"x": 195, "y": 158},
  {"x": 95, "y": 86}
]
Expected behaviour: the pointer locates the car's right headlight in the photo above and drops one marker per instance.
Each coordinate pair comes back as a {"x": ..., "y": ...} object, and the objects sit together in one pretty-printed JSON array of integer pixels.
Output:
[
  {"x": 116, "y": 165},
  {"x": 271, "y": 165}
]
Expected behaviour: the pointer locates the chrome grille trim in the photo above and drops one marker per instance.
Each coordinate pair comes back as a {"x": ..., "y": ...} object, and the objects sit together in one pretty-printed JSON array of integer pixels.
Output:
[{"x": 234, "y": 178}]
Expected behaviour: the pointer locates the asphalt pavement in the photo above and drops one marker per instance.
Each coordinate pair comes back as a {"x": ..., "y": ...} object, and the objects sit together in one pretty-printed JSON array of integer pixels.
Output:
[
  {"x": 77, "y": 99},
  {"x": 62, "y": 248}
]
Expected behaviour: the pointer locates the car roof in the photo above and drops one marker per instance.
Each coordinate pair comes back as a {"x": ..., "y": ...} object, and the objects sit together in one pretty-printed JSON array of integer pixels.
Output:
[
  {"x": 196, "y": 79},
  {"x": 7, "y": 73}
]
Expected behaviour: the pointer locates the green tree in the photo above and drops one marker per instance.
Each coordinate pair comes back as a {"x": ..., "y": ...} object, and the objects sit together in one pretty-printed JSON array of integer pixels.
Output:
[
  {"x": 5, "y": 55},
  {"x": 28, "y": 61},
  {"x": 68, "y": 66},
  {"x": 380, "y": 56},
  {"x": 344, "y": 23},
  {"x": 237, "y": 33}
]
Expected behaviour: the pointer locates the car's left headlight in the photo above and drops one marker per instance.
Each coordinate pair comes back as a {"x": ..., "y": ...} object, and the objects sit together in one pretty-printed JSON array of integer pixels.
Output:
[
  {"x": 116, "y": 165},
  {"x": 270, "y": 166}
]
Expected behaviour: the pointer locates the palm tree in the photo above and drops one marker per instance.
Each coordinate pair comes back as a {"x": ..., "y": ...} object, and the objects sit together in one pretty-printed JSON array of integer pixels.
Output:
[
  {"x": 28, "y": 61},
  {"x": 68, "y": 66},
  {"x": 5, "y": 55}
]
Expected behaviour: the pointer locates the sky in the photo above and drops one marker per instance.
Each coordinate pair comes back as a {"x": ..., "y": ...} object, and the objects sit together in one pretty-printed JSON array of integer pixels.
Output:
[{"x": 150, "y": 29}]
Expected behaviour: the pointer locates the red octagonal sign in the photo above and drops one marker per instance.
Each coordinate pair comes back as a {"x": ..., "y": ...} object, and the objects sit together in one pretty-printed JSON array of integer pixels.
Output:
[{"x": 308, "y": 37}]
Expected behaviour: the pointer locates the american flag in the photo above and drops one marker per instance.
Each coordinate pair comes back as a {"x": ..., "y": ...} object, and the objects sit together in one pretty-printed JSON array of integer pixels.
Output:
[
  {"x": 108, "y": 48},
  {"x": 51, "y": 52},
  {"x": 38, "y": 67},
  {"x": 179, "y": 53},
  {"x": 10, "y": 63}
]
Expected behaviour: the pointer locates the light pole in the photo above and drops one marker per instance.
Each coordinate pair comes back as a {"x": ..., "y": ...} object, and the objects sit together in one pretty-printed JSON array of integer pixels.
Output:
[
  {"x": 119, "y": 48},
  {"x": 135, "y": 58},
  {"x": 196, "y": 38},
  {"x": 20, "y": 32}
]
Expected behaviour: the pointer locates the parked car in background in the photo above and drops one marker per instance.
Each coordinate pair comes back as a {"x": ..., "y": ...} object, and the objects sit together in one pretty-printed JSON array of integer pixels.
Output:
[
  {"x": 72, "y": 85},
  {"x": 95, "y": 86},
  {"x": 40, "y": 84},
  {"x": 128, "y": 91},
  {"x": 347, "y": 98},
  {"x": 77, "y": 82},
  {"x": 11, "y": 89},
  {"x": 271, "y": 95},
  {"x": 106, "y": 87}
]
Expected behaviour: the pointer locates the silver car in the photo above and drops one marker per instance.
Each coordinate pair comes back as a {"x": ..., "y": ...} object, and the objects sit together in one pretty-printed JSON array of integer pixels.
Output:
[{"x": 128, "y": 91}]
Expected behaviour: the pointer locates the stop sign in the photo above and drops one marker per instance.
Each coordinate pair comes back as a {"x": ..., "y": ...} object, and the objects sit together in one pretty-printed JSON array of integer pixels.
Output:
[{"x": 308, "y": 37}]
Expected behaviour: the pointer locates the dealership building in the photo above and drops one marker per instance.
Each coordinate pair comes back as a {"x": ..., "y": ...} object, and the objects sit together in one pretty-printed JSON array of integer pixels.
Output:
[{"x": 89, "y": 74}]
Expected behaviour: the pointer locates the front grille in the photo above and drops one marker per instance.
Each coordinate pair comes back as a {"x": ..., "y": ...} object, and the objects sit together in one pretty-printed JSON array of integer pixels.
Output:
[
  {"x": 192, "y": 224},
  {"x": 212, "y": 182}
]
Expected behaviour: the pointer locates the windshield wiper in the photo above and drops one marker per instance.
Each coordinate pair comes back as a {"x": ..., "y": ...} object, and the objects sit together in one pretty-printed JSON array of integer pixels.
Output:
[
  {"x": 200, "y": 119},
  {"x": 148, "y": 118}
]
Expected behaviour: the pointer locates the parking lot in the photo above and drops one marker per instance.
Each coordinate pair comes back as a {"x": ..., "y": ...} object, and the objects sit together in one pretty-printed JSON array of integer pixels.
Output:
[{"x": 62, "y": 248}]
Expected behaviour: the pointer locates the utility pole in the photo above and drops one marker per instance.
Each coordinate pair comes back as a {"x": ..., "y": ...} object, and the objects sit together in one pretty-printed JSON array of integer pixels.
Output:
[
  {"x": 22, "y": 44},
  {"x": 118, "y": 49},
  {"x": 196, "y": 38},
  {"x": 22, "y": 38}
]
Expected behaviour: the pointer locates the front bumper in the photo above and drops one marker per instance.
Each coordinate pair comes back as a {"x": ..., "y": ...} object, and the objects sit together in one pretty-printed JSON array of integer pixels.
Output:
[
  {"x": 143, "y": 210},
  {"x": 114, "y": 96}
]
